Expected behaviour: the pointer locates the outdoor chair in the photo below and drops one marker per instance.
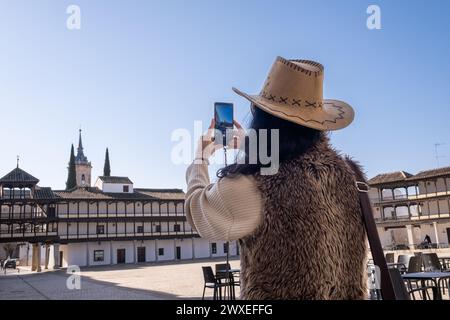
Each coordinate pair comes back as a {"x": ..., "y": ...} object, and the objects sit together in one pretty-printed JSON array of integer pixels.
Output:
[
  {"x": 390, "y": 257},
  {"x": 211, "y": 282},
  {"x": 219, "y": 267},
  {"x": 231, "y": 279},
  {"x": 414, "y": 265},
  {"x": 404, "y": 260},
  {"x": 431, "y": 262},
  {"x": 404, "y": 293}
]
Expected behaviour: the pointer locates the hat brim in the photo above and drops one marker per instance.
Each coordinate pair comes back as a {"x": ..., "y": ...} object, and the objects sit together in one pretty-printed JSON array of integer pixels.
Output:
[{"x": 332, "y": 115}]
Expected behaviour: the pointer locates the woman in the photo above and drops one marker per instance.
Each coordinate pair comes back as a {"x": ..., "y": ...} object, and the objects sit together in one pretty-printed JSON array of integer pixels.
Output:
[{"x": 300, "y": 229}]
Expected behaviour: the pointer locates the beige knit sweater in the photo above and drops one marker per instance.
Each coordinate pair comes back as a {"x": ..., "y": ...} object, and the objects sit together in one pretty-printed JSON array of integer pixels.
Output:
[{"x": 229, "y": 209}]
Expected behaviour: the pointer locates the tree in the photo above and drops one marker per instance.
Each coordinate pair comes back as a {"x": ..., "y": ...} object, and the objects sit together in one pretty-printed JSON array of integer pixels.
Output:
[
  {"x": 107, "y": 166},
  {"x": 72, "y": 176}
]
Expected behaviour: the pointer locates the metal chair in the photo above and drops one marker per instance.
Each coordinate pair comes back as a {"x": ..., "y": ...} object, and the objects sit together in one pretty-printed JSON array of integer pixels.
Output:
[
  {"x": 229, "y": 279},
  {"x": 390, "y": 257},
  {"x": 431, "y": 262},
  {"x": 414, "y": 265},
  {"x": 220, "y": 267},
  {"x": 403, "y": 293},
  {"x": 211, "y": 282},
  {"x": 404, "y": 260}
]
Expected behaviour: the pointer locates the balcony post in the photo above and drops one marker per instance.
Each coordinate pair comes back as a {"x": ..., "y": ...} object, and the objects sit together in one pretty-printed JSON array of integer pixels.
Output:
[
  {"x": 436, "y": 234},
  {"x": 409, "y": 232}
]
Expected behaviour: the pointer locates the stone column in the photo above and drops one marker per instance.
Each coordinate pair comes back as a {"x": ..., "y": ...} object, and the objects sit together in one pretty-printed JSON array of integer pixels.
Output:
[
  {"x": 156, "y": 251},
  {"x": 111, "y": 258},
  {"x": 47, "y": 256},
  {"x": 87, "y": 254},
  {"x": 39, "y": 258},
  {"x": 436, "y": 234},
  {"x": 56, "y": 262},
  {"x": 409, "y": 232},
  {"x": 193, "y": 249},
  {"x": 134, "y": 251},
  {"x": 34, "y": 257}
]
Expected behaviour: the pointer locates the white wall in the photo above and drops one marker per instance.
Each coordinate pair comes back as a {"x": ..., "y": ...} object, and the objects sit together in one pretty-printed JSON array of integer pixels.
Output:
[
  {"x": 113, "y": 187},
  {"x": 128, "y": 246},
  {"x": 74, "y": 254},
  {"x": 186, "y": 248},
  {"x": 103, "y": 245},
  {"x": 201, "y": 248},
  {"x": 169, "y": 250}
]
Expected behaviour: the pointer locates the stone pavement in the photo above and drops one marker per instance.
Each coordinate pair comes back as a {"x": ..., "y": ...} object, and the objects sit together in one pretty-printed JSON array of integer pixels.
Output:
[{"x": 169, "y": 280}]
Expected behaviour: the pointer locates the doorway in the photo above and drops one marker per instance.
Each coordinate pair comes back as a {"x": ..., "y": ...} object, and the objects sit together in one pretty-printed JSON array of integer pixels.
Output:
[
  {"x": 141, "y": 254},
  {"x": 120, "y": 255},
  {"x": 178, "y": 249},
  {"x": 448, "y": 235}
]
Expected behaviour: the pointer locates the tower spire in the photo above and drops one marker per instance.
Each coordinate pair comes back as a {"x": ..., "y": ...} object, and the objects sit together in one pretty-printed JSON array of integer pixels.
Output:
[
  {"x": 80, "y": 143},
  {"x": 17, "y": 161},
  {"x": 80, "y": 153}
]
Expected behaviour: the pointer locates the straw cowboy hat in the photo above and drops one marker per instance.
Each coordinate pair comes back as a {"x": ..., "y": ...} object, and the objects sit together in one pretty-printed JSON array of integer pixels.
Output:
[{"x": 294, "y": 91}]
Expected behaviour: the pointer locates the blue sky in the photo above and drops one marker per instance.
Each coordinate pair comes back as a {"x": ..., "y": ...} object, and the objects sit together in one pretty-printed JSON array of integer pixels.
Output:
[{"x": 137, "y": 70}]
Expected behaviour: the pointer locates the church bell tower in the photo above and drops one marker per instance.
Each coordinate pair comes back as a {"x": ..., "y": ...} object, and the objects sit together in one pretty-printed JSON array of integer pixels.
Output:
[{"x": 83, "y": 167}]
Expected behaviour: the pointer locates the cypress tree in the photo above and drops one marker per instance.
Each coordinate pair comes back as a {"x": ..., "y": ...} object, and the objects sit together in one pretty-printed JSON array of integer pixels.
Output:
[
  {"x": 107, "y": 167},
  {"x": 72, "y": 176}
]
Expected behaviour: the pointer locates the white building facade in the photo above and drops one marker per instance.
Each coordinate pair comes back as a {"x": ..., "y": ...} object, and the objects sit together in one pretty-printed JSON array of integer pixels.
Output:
[
  {"x": 109, "y": 223},
  {"x": 408, "y": 208}
]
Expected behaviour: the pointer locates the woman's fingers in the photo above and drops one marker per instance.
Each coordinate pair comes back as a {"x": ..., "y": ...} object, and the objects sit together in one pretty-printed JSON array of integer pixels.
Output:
[
  {"x": 237, "y": 124},
  {"x": 212, "y": 124}
]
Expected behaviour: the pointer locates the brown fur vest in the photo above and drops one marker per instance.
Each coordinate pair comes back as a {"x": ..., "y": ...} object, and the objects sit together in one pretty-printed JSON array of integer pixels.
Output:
[{"x": 311, "y": 243}]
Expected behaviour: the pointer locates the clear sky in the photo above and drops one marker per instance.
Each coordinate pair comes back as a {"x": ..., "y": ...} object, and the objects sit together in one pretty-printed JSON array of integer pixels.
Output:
[{"x": 137, "y": 70}]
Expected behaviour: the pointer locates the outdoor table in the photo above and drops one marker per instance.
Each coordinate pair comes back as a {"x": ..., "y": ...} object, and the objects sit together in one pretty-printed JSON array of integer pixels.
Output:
[
  {"x": 229, "y": 270},
  {"x": 436, "y": 277},
  {"x": 231, "y": 273},
  {"x": 399, "y": 266}
]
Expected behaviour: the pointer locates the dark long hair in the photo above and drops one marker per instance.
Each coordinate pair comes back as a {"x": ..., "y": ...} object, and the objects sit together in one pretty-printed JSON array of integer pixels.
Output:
[{"x": 294, "y": 140}]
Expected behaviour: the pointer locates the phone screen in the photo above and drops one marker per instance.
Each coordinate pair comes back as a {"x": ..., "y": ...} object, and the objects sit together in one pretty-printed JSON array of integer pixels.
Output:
[{"x": 223, "y": 115}]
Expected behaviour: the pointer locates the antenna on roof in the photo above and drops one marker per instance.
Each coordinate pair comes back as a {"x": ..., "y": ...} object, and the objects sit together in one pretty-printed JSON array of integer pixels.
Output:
[
  {"x": 18, "y": 161},
  {"x": 436, "y": 145}
]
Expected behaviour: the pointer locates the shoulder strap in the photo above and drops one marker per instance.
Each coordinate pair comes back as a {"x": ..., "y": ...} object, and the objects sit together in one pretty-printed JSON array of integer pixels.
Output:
[{"x": 387, "y": 289}]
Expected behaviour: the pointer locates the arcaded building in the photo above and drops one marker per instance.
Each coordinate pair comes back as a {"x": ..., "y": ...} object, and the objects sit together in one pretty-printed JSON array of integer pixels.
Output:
[
  {"x": 409, "y": 207},
  {"x": 108, "y": 222}
]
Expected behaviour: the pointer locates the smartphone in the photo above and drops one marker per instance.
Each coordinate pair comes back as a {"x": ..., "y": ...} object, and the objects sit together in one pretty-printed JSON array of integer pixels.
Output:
[{"x": 223, "y": 116}]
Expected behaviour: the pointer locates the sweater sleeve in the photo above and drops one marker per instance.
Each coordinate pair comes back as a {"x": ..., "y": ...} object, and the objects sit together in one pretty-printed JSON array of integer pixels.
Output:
[{"x": 229, "y": 209}]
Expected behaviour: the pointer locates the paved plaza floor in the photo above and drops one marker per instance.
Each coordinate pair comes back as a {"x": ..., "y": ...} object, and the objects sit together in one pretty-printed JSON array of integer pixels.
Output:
[{"x": 174, "y": 280}]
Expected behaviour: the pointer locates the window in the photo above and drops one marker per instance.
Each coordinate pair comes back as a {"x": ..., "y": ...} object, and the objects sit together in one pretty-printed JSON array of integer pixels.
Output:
[
  {"x": 101, "y": 229},
  {"x": 176, "y": 228},
  {"x": 213, "y": 248},
  {"x": 53, "y": 227},
  {"x": 83, "y": 179},
  {"x": 158, "y": 228},
  {"x": 99, "y": 255},
  {"x": 126, "y": 189},
  {"x": 160, "y": 251},
  {"x": 140, "y": 229},
  {"x": 51, "y": 212},
  {"x": 225, "y": 247}
]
